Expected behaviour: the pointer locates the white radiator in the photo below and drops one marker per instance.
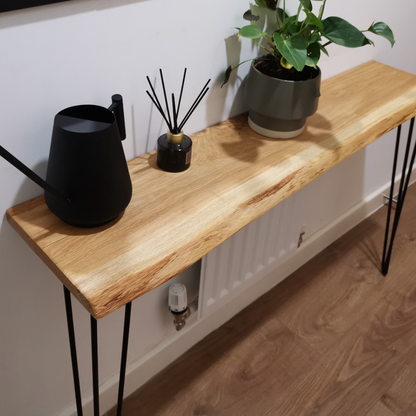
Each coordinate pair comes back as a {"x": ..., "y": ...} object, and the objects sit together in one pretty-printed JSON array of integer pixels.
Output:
[{"x": 248, "y": 255}]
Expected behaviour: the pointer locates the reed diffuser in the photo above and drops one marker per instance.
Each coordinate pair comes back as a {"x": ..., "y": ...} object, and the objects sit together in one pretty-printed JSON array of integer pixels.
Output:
[{"x": 174, "y": 149}]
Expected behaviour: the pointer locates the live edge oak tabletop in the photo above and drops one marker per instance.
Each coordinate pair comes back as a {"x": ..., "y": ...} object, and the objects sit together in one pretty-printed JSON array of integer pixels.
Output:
[{"x": 236, "y": 175}]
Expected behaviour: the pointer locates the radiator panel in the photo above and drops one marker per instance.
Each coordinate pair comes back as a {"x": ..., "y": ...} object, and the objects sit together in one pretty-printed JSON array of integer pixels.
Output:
[{"x": 255, "y": 250}]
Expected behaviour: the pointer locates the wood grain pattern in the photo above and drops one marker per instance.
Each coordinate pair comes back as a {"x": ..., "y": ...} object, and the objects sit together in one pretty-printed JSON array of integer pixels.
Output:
[
  {"x": 256, "y": 365},
  {"x": 380, "y": 410},
  {"x": 236, "y": 176},
  {"x": 400, "y": 399},
  {"x": 232, "y": 369}
]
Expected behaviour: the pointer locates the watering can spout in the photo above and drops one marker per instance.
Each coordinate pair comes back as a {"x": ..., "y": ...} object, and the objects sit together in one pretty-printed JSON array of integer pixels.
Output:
[{"x": 30, "y": 174}]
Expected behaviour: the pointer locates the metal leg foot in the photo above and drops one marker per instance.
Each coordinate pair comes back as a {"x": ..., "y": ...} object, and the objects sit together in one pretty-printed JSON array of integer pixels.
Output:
[
  {"x": 73, "y": 347},
  {"x": 404, "y": 183},
  {"x": 123, "y": 358}
]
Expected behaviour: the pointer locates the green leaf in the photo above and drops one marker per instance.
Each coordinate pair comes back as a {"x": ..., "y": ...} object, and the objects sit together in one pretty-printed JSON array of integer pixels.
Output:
[
  {"x": 281, "y": 16},
  {"x": 293, "y": 29},
  {"x": 323, "y": 49},
  {"x": 248, "y": 15},
  {"x": 292, "y": 49},
  {"x": 261, "y": 3},
  {"x": 267, "y": 4},
  {"x": 288, "y": 22},
  {"x": 227, "y": 75},
  {"x": 342, "y": 33},
  {"x": 368, "y": 42},
  {"x": 272, "y": 4},
  {"x": 383, "y": 30},
  {"x": 307, "y": 4},
  {"x": 316, "y": 37},
  {"x": 313, "y": 54},
  {"x": 230, "y": 69},
  {"x": 314, "y": 20},
  {"x": 251, "y": 32}
]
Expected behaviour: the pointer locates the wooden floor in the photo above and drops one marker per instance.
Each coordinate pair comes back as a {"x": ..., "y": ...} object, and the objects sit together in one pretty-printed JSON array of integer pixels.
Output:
[{"x": 335, "y": 338}]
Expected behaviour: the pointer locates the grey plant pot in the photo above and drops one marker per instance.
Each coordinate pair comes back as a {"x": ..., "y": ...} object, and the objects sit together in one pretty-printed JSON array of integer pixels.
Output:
[{"x": 278, "y": 108}]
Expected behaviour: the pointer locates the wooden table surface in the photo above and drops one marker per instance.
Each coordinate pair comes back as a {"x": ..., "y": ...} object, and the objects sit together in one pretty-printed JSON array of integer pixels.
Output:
[{"x": 236, "y": 175}]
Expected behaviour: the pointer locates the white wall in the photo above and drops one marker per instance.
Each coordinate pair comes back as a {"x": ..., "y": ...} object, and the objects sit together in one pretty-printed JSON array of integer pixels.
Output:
[{"x": 83, "y": 51}]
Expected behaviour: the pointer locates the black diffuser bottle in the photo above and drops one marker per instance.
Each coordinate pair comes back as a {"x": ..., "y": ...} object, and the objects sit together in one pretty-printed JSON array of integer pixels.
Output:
[
  {"x": 174, "y": 152},
  {"x": 174, "y": 149}
]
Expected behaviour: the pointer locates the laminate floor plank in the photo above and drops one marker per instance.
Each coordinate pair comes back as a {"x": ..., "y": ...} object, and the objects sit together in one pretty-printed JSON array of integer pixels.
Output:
[
  {"x": 380, "y": 410},
  {"x": 233, "y": 369},
  {"x": 334, "y": 301},
  {"x": 401, "y": 397},
  {"x": 335, "y": 338},
  {"x": 349, "y": 378}
]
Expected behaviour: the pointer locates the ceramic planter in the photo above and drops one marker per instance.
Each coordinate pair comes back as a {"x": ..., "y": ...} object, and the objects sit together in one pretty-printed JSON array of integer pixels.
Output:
[{"x": 278, "y": 108}]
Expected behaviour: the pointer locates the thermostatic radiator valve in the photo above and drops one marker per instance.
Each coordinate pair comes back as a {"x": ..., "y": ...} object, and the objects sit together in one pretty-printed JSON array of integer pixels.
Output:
[{"x": 178, "y": 304}]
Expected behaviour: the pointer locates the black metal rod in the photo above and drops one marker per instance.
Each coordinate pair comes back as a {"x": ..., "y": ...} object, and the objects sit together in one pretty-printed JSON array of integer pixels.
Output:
[
  {"x": 175, "y": 116},
  {"x": 193, "y": 106},
  {"x": 123, "y": 364},
  {"x": 404, "y": 168},
  {"x": 180, "y": 95},
  {"x": 159, "y": 109},
  {"x": 73, "y": 347},
  {"x": 406, "y": 180},
  {"x": 158, "y": 106},
  {"x": 412, "y": 162},
  {"x": 94, "y": 352},
  {"x": 166, "y": 99},
  {"x": 154, "y": 93},
  {"x": 192, "y": 110},
  {"x": 404, "y": 183},
  {"x": 393, "y": 177}
]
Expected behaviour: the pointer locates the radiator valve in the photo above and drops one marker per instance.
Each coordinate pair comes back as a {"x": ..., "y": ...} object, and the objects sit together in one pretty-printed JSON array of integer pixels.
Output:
[{"x": 178, "y": 305}]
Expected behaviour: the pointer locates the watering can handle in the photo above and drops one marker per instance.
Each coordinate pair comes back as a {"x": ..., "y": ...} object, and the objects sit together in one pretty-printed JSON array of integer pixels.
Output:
[{"x": 117, "y": 108}]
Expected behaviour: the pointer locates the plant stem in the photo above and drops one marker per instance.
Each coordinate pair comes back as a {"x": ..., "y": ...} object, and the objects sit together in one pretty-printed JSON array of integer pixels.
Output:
[
  {"x": 241, "y": 63},
  {"x": 321, "y": 12},
  {"x": 303, "y": 28},
  {"x": 261, "y": 46},
  {"x": 297, "y": 16},
  {"x": 328, "y": 43}
]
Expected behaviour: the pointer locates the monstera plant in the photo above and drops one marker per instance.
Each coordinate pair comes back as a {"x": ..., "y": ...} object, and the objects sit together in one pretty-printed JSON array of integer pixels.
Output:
[{"x": 282, "y": 88}]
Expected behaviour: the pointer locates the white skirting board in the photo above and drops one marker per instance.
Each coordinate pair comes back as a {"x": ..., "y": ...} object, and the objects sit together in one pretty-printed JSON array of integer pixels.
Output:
[{"x": 198, "y": 327}]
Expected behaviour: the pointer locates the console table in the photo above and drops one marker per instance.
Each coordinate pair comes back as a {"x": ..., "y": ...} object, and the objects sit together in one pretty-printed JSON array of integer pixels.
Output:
[{"x": 236, "y": 175}]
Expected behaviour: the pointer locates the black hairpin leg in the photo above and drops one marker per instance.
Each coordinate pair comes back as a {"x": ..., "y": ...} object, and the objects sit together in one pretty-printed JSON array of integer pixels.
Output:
[
  {"x": 94, "y": 351},
  {"x": 94, "y": 354},
  {"x": 74, "y": 360},
  {"x": 123, "y": 358},
  {"x": 404, "y": 183}
]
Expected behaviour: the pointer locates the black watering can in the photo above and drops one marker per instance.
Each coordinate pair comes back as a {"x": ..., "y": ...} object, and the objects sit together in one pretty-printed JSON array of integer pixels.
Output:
[{"x": 87, "y": 180}]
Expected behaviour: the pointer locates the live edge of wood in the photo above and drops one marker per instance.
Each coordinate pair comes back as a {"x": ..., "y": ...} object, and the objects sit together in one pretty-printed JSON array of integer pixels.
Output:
[{"x": 236, "y": 175}]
